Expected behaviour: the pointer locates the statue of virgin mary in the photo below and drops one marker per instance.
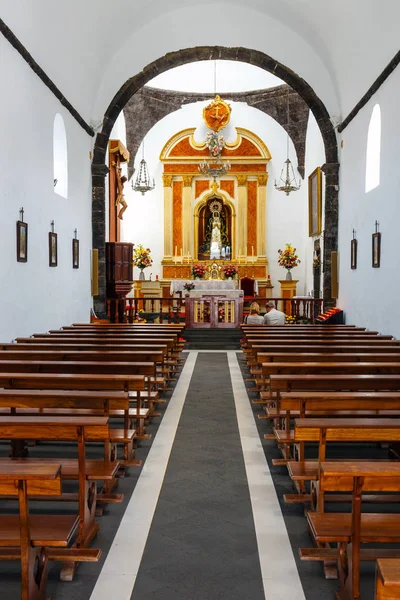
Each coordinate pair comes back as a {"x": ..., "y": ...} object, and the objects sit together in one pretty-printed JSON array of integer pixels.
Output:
[{"x": 216, "y": 242}]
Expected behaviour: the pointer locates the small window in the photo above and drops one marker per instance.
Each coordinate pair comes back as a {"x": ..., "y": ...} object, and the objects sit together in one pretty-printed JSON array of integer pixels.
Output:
[
  {"x": 60, "y": 157},
  {"x": 373, "y": 167}
]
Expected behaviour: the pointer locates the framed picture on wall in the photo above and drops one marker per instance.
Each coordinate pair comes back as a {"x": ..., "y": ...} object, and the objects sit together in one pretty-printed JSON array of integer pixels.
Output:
[
  {"x": 353, "y": 254},
  {"x": 376, "y": 250},
  {"x": 52, "y": 249},
  {"x": 22, "y": 241},
  {"x": 75, "y": 254},
  {"x": 315, "y": 202}
]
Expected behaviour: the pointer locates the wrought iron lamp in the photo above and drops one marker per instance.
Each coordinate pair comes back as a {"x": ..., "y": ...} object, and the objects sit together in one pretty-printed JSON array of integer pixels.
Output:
[
  {"x": 287, "y": 182},
  {"x": 143, "y": 181},
  {"x": 216, "y": 169}
]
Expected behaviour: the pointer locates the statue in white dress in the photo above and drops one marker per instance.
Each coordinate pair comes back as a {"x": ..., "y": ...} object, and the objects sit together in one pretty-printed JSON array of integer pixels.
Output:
[{"x": 216, "y": 243}]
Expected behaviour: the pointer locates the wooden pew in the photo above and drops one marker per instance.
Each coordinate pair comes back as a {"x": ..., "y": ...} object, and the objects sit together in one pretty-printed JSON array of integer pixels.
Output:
[
  {"x": 387, "y": 581},
  {"x": 264, "y": 357},
  {"x": 32, "y": 538},
  {"x": 351, "y": 405},
  {"x": 96, "y": 355},
  {"x": 350, "y": 531},
  {"x": 74, "y": 381},
  {"x": 325, "y": 430},
  {"x": 71, "y": 429},
  {"x": 350, "y": 382},
  {"x": 57, "y": 403}
]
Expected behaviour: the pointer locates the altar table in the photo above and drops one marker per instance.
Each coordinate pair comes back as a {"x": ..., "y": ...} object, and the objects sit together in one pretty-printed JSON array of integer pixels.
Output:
[{"x": 220, "y": 285}]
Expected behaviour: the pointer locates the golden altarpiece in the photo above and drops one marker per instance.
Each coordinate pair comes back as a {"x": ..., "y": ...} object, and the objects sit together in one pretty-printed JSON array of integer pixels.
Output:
[{"x": 194, "y": 204}]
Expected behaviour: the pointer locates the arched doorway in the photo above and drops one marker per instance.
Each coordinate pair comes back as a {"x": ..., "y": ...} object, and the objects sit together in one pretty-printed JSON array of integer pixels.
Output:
[{"x": 187, "y": 55}]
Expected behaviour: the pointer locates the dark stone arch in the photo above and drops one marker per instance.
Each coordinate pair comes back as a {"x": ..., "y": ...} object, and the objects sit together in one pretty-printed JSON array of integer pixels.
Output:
[{"x": 188, "y": 55}]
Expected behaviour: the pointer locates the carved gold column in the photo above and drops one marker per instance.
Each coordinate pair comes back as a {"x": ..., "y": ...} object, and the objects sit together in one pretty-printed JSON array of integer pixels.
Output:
[
  {"x": 168, "y": 250},
  {"x": 261, "y": 215},
  {"x": 242, "y": 214},
  {"x": 187, "y": 214}
]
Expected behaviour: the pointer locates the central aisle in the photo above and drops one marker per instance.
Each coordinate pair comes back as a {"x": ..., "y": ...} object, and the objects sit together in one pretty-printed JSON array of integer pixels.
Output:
[{"x": 202, "y": 542}]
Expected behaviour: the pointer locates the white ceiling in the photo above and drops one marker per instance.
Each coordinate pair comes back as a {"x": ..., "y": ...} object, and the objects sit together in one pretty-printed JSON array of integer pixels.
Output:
[{"x": 80, "y": 43}]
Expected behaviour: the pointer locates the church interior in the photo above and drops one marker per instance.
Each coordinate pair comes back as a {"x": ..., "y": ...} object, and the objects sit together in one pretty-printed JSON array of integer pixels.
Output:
[{"x": 199, "y": 350}]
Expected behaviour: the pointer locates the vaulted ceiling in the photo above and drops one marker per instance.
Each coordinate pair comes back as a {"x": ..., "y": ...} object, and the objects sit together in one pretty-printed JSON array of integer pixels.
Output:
[{"x": 91, "y": 48}]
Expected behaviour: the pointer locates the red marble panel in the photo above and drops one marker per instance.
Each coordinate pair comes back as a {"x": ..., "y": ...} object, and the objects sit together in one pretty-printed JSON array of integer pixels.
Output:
[
  {"x": 177, "y": 216},
  {"x": 228, "y": 186},
  {"x": 251, "y": 217},
  {"x": 200, "y": 186}
]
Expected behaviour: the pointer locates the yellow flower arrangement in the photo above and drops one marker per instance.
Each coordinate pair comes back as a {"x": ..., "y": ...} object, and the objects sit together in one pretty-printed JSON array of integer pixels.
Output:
[{"x": 289, "y": 320}]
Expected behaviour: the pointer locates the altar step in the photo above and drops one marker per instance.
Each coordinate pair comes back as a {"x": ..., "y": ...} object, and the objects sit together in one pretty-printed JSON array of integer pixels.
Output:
[{"x": 213, "y": 339}]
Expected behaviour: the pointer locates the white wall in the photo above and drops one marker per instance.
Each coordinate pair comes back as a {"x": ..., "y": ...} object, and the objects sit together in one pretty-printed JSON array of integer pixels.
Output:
[
  {"x": 35, "y": 297},
  {"x": 287, "y": 216},
  {"x": 315, "y": 157},
  {"x": 370, "y": 296}
]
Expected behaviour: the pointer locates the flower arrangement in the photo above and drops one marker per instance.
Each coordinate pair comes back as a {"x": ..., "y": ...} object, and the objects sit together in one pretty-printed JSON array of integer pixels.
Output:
[
  {"x": 290, "y": 320},
  {"x": 198, "y": 270},
  {"x": 230, "y": 270},
  {"x": 215, "y": 143},
  {"x": 138, "y": 318},
  {"x": 188, "y": 286},
  {"x": 141, "y": 256},
  {"x": 288, "y": 257}
]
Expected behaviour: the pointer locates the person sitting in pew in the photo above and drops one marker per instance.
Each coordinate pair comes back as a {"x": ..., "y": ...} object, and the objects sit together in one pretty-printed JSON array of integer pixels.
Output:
[
  {"x": 273, "y": 316},
  {"x": 254, "y": 318}
]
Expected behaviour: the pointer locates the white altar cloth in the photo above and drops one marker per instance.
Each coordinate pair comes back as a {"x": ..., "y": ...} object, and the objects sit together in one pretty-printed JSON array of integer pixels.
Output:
[
  {"x": 231, "y": 294},
  {"x": 206, "y": 285}
]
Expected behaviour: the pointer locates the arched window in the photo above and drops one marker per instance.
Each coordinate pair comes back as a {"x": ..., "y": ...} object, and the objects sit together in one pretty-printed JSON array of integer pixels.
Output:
[
  {"x": 373, "y": 167},
  {"x": 60, "y": 157}
]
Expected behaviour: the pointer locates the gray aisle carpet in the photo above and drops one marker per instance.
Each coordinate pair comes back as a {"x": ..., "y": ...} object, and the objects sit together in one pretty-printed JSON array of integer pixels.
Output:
[{"x": 202, "y": 543}]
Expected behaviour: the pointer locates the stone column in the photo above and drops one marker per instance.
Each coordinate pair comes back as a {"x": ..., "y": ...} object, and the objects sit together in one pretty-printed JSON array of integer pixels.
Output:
[
  {"x": 261, "y": 215},
  {"x": 330, "y": 238},
  {"x": 168, "y": 250},
  {"x": 99, "y": 173},
  {"x": 242, "y": 215},
  {"x": 187, "y": 214}
]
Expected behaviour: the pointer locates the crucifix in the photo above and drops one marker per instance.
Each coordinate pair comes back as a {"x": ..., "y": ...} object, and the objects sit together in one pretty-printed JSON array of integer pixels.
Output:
[
  {"x": 21, "y": 213},
  {"x": 376, "y": 226}
]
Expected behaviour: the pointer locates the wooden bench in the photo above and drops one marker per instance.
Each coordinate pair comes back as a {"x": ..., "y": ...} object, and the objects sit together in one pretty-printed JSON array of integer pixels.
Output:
[
  {"x": 350, "y": 531},
  {"x": 71, "y": 429},
  {"x": 59, "y": 354},
  {"x": 324, "y": 430},
  {"x": 387, "y": 581},
  {"x": 264, "y": 357},
  {"x": 32, "y": 539},
  {"x": 73, "y": 403},
  {"x": 91, "y": 381},
  {"x": 350, "y": 405}
]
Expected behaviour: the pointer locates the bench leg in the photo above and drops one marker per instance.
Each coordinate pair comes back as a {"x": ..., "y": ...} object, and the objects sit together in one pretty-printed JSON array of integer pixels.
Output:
[
  {"x": 87, "y": 530},
  {"x": 34, "y": 561},
  {"x": 35, "y": 565}
]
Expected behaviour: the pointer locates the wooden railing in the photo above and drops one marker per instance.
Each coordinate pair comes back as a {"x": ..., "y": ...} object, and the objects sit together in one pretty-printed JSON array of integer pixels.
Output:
[
  {"x": 166, "y": 310},
  {"x": 169, "y": 310},
  {"x": 300, "y": 308}
]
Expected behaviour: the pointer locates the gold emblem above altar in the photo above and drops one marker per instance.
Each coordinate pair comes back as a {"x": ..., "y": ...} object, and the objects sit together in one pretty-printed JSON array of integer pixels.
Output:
[{"x": 217, "y": 114}]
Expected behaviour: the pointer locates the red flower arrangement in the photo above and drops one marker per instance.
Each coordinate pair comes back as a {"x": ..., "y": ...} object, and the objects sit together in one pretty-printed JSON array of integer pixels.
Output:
[
  {"x": 230, "y": 270},
  {"x": 288, "y": 257},
  {"x": 198, "y": 270}
]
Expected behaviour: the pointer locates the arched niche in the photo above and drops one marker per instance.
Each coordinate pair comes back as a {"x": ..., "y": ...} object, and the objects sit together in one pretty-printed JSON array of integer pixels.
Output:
[{"x": 202, "y": 214}]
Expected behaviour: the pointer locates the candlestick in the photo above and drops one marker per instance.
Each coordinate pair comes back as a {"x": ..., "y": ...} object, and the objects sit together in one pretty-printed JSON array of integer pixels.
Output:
[
  {"x": 181, "y": 257},
  {"x": 252, "y": 251},
  {"x": 176, "y": 251}
]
